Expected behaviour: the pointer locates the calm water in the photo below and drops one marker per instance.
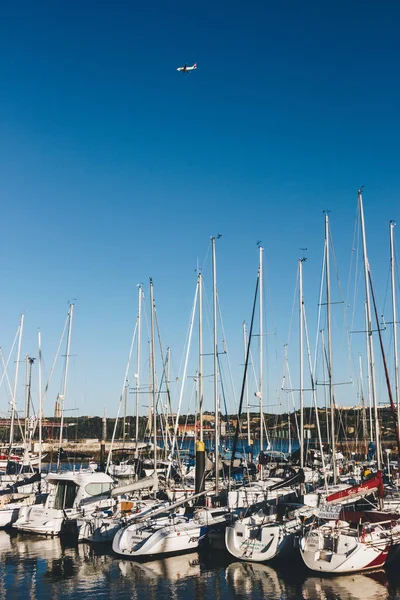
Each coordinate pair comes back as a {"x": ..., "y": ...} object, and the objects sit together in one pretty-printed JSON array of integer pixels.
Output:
[{"x": 35, "y": 568}]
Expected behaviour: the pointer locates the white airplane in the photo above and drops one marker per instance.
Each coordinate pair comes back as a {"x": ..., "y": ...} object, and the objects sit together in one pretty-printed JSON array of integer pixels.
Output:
[{"x": 186, "y": 69}]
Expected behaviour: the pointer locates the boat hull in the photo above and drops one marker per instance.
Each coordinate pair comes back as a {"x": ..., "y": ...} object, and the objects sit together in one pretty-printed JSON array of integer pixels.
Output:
[
  {"x": 131, "y": 542},
  {"x": 257, "y": 544},
  {"x": 353, "y": 555}
]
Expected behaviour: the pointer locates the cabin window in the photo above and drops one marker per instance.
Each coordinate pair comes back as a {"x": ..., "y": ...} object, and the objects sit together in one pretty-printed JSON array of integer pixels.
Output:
[
  {"x": 95, "y": 489},
  {"x": 65, "y": 495}
]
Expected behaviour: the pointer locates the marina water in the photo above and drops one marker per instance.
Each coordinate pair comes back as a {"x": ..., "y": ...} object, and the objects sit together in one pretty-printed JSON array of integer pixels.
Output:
[{"x": 52, "y": 568}]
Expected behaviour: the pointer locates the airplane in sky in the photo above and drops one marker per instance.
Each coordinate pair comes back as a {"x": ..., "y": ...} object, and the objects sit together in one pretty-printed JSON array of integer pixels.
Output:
[{"x": 186, "y": 69}]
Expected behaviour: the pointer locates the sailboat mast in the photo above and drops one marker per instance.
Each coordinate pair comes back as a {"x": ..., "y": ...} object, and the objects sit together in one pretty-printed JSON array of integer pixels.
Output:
[
  {"x": 29, "y": 365},
  {"x": 301, "y": 362},
  {"x": 64, "y": 391},
  {"x": 40, "y": 399},
  {"x": 247, "y": 385},
  {"x": 324, "y": 361},
  {"x": 200, "y": 377},
  {"x": 364, "y": 414},
  {"x": 330, "y": 361},
  {"x": 215, "y": 351},
  {"x": 26, "y": 399},
  {"x": 394, "y": 312},
  {"x": 369, "y": 333},
  {"x": 137, "y": 375},
  {"x": 371, "y": 420},
  {"x": 168, "y": 379},
  {"x": 260, "y": 305},
  {"x": 153, "y": 377},
  {"x": 14, "y": 396}
]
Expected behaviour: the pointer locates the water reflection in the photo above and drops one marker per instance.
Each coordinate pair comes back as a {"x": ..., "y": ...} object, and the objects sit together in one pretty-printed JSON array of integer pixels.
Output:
[
  {"x": 172, "y": 569},
  {"x": 347, "y": 587},
  {"x": 35, "y": 568},
  {"x": 255, "y": 580}
]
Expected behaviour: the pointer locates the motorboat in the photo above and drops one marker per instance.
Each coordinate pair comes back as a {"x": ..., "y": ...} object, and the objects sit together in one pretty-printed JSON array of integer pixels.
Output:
[{"x": 70, "y": 494}]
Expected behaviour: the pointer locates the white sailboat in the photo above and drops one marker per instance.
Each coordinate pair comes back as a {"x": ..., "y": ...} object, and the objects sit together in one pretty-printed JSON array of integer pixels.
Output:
[
  {"x": 166, "y": 535},
  {"x": 263, "y": 536},
  {"x": 338, "y": 546}
]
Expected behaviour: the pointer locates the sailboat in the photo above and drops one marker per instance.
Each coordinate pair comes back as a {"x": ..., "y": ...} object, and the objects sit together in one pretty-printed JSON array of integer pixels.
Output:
[{"x": 343, "y": 546}]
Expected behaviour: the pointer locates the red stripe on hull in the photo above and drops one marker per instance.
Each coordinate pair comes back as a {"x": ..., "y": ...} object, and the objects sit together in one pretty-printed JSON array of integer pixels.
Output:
[{"x": 379, "y": 561}]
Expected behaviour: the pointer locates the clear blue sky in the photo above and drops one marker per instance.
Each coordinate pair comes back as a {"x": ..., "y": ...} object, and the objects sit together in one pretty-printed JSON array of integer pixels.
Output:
[{"x": 115, "y": 167}]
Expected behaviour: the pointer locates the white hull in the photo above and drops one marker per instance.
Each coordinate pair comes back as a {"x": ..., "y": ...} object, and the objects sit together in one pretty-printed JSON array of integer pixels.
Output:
[
  {"x": 9, "y": 514},
  {"x": 327, "y": 550},
  {"x": 43, "y": 521},
  {"x": 255, "y": 543},
  {"x": 134, "y": 541},
  {"x": 261, "y": 537}
]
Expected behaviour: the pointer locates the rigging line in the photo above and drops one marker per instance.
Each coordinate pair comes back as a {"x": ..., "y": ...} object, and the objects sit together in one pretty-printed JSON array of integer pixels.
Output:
[
  {"x": 121, "y": 398},
  {"x": 55, "y": 360},
  {"x": 224, "y": 397},
  {"x": 164, "y": 365},
  {"x": 350, "y": 279},
  {"x": 5, "y": 372},
  {"x": 227, "y": 354},
  {"x": 314, "y": 393},
  {"x": 291, "y": 392},
  {"x": 386, "y": 291},
  {"x": 256, "y": 383},
  {"x": 321, "y": 289},
  {"x": 392, "y": 406},
  {"x": 184, "y": 375},
  {"x": 357, "y": 271},
  {"x": 5, "y": 366},
  {"x": 294, "y": 303},
  {"x": 244, "y": 377},
  {"x": 192, "y": 395},
  {"x": 188, "y": 341},
  {"x": 350, "y": 355},
  {"x": 182, "y": 359},
  {"x": 209, "y": 246},
  {"x": 269, "y": 351}
]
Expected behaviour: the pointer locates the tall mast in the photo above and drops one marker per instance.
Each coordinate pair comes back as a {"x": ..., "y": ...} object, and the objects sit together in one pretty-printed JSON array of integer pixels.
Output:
[
  {"x": 200, "y": 376},
  {"x": 29, "y": 364},
  {"x": 287, "y": 372},
  {"x": 247, "y": 385},
  {"x": 328, "y": 437},
  {"x": 137, "y": 374},
  {"x": 124, "y": 417},
  {"x": 40, "y": 399},
  {"x": 215, "y": 351},
  {"x": 301, "y": 362},
  {"x": 369, "y": 333},
  {"x": 26, "y": 399},
  {"x": 153, "y": 377},
  {"x": 168, "y": 379},
  {"x": 364, "y": 414},
  {"x": 330, "y": 362},
  {"x": 396, "y": 359},
  {"x": 260, "y": 305},
  {"x": 371, "y": 420},
  {"x": 14, "y": 396},
  {"x": 64, "y": 390}
]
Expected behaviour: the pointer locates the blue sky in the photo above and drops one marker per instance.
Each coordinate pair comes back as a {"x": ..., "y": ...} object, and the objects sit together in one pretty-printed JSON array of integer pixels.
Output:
[{"x": 115, "y": 167}]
